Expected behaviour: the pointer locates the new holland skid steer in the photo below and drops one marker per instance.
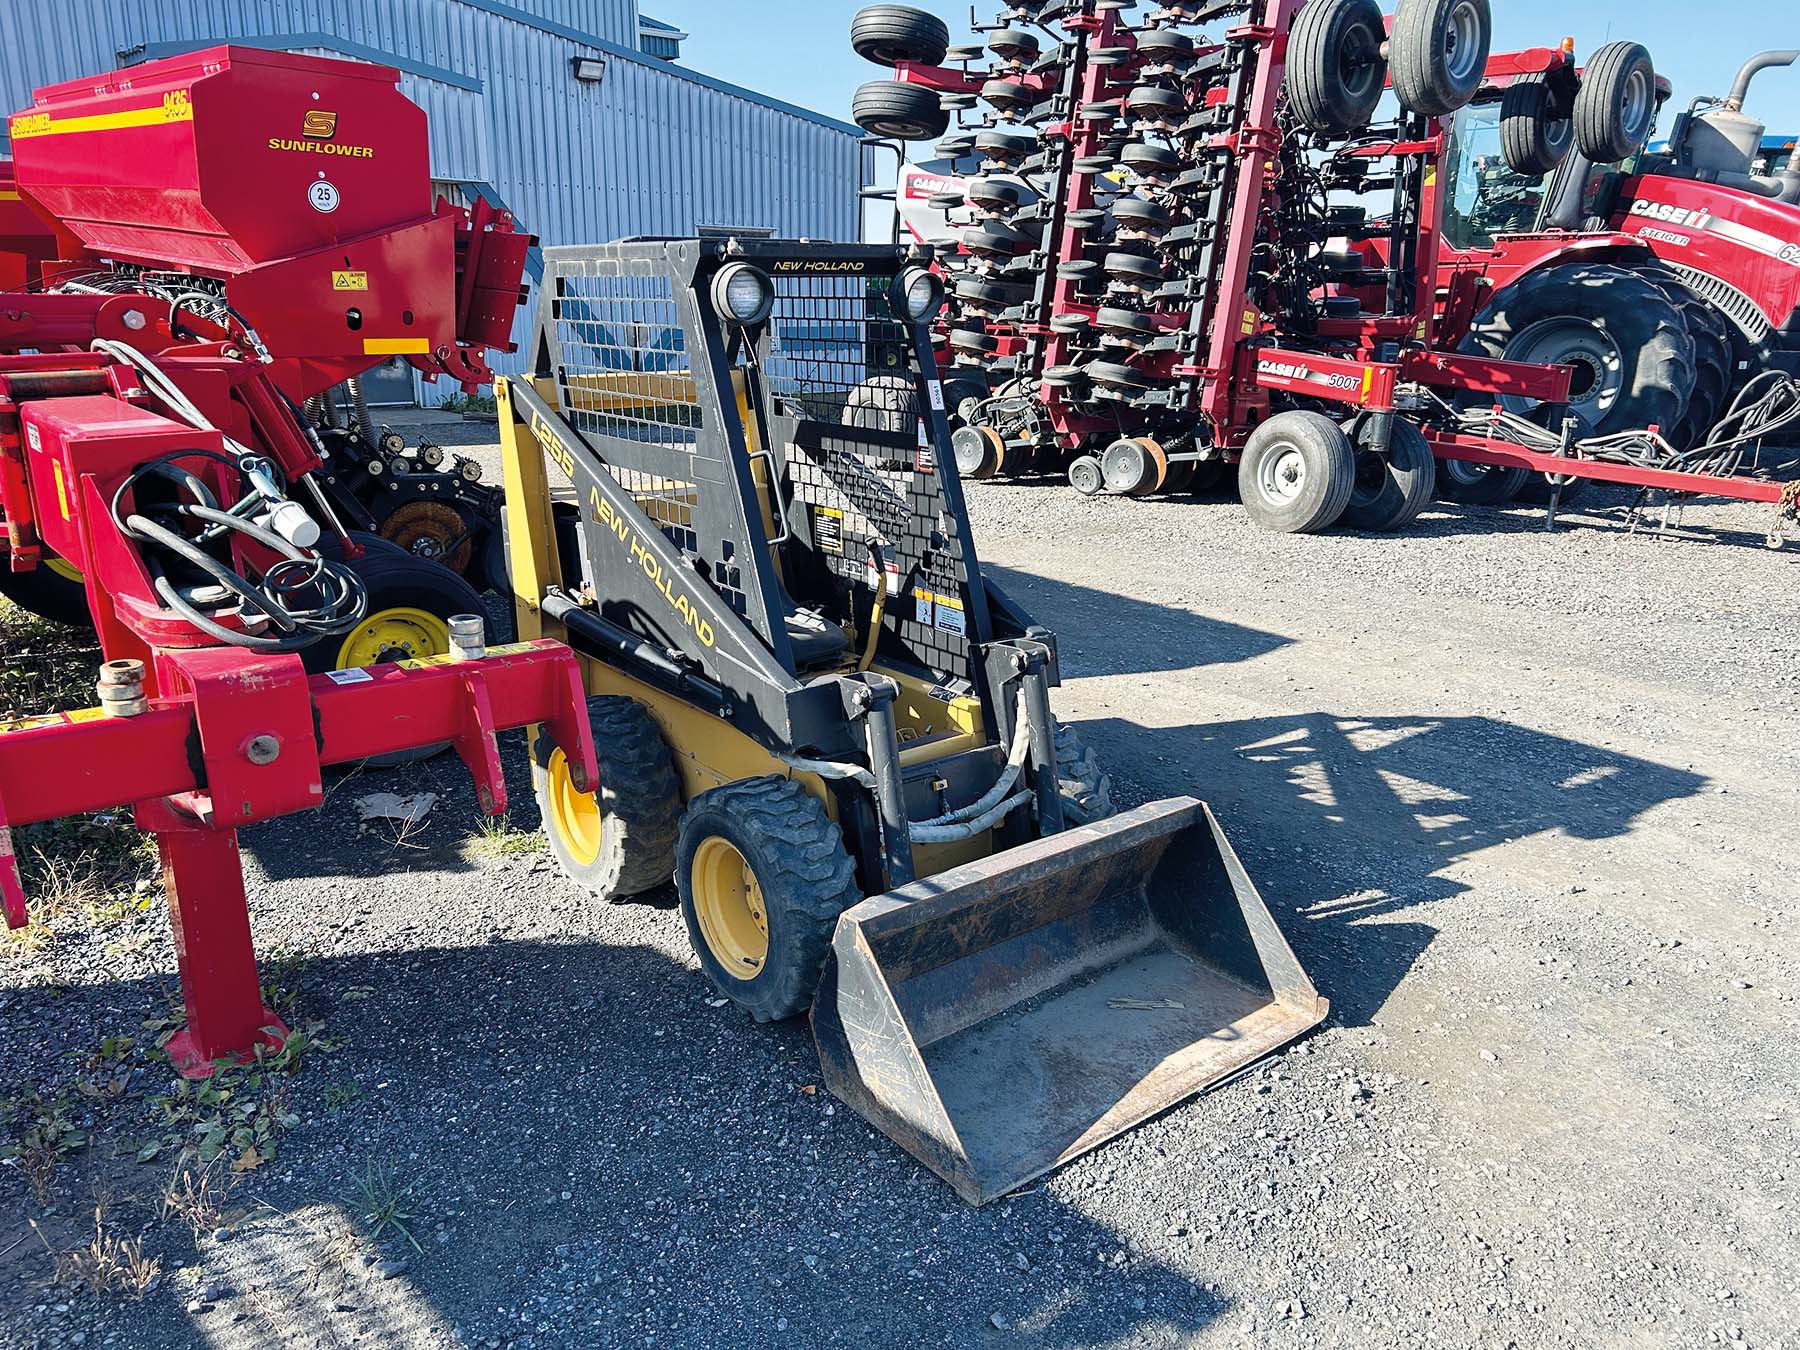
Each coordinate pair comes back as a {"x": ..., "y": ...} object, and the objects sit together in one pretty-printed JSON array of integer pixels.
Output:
[{"x": 730, "y": 489}]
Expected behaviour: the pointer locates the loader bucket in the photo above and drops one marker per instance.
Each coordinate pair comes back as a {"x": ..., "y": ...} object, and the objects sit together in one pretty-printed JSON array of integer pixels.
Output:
[{"x": 1001, "y": 1018}]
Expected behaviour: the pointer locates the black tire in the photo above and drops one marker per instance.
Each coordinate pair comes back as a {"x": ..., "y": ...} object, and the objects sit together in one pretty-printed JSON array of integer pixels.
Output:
[
  {"x": 399, "y": 581},
  {"x": 1438, "y": 53},
  {"x": 1084, "y": 786},
  {"x": 1714, "y": 357},
  {"x": 1532, "y": 138},
  {"x": 1460, "y": 480},
  {"x": 635, "y": 812},
  {"x": 1616, "y": 104},
  {"x": 901, "y": 112},
  {"x": 1631, "y": 346},
  {"x": 890, "y": 34},
  {"x": 1014, "y": 44},
  {"x": 1537, "y": 489},
  {"x": 961, "y": 394},
  {"x": 46, "y": 593},
  {"x": 1297, "y": 473},
  {"x": 1335, "y": 70},
  {"x": 797, "y": 859},
  {"x": 1390, "y": 490},
  {"x": 883, "y": 403}
]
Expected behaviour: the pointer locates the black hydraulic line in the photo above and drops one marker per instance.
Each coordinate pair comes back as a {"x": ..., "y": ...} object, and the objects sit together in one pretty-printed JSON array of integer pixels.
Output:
[{"x": 604, "y": 640}]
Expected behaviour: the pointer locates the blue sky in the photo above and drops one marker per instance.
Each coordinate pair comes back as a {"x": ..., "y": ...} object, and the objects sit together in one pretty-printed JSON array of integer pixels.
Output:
[{"x": 799, "y": 50}]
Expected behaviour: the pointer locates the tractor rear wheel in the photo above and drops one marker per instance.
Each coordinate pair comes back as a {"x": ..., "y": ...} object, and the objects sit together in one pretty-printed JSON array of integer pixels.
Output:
[
  {"x": 52, "y": 590},
  {"x": 1297, "y": 473},
  {"x": 901, "y": 112},
  {"x": 1438, "y": 53},
  {"x": 1714, "y": 359},
  {"x": 618, "y": 840},
  {"x": 763, "y": 876},
  {"x": 1460, "y": 480},
  {"x": 1335, "y": 69},
  {"x": 1390, "y": 489},
  {"x": 1630, "y": 346},
  {"x": 890, "y": 34}
]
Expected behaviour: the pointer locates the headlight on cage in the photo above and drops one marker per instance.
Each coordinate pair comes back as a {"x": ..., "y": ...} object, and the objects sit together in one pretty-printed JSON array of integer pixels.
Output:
[
  {"x": 918, "y": 295},
  {"x": 743, "y": 293}
]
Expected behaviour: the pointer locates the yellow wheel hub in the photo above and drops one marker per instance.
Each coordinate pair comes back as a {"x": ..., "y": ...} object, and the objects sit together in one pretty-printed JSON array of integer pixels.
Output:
[
  {"x": 64, "y": 569},
  {"x": 394, "y": 635},
  {"x": 575, "y": 816},
  {"x": 728, "y": 901}
]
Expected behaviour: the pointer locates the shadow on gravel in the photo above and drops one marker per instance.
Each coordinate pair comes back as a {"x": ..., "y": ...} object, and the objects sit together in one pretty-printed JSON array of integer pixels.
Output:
[
  {"x": 588, "y": 1153},
  {"x": 1345, "y": 819},
  {"x": 1161, "y": 637}
]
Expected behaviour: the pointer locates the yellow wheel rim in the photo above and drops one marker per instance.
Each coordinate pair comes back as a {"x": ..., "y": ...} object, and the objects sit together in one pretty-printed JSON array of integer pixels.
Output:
[
  {"x": 575, "y": 816},
  {"x": 66, "y": 570},
  {"x": 728, "y": 901},
  {"x": 394, "y": 635}
]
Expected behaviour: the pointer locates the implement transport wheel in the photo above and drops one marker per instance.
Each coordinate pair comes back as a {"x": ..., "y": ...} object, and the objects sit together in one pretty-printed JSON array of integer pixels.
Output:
[
  {"x": 411, "y": 602},
  {"x": 1390, "y": 489},
  {"x": 1086, "y": 476},
  {"x": 1439, "y": 53},
  {"x": 1630, "y": 346},
  {"x": 1134, "y": 467},
  {"x": 763, "y": 876},
  {"x": 1335, "y": 69},
  {"x": 901, "y": 112},
  {"x": 1533, "y": 139},
  {"x": 618, "y": 841},
  {"x": 1460, "y": 480},
  {"x": 979, "y": 451},
  {"x": 890, "y": 34},
  {"x": 1616, "y": 104},
  {"x": 1297, "y": 473},
  {"x": 1085, "y": 788},
  {"x": 52, "y": 590}
]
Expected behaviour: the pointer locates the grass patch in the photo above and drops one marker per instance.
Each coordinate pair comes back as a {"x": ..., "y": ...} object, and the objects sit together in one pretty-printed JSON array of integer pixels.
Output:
[
  {"x": 42, "y": 1134},
  {"x": 496, "y": 838},
  {"x": 238, "y": 1113},
  {"x": 383, "y": 1203},
  {"x": 108, "y": 1265},
  {"x": 44, "y": 667}
]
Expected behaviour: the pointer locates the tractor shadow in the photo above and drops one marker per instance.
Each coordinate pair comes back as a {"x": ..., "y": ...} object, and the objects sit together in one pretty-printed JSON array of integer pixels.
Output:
[
  {"x": 1347, "y": 820},
  {"x": 1101, "y": 633},
  {"x": 578, "y": 1138}
]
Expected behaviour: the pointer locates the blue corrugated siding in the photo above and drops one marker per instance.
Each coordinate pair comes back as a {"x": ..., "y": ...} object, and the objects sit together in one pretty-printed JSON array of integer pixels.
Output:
[{"x": 646, "y": 151}]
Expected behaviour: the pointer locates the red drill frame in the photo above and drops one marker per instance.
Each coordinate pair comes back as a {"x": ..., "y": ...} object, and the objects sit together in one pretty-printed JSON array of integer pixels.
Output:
[
  {"x": 223, "y": 737},
  {"x": 1244, "y": 354}
]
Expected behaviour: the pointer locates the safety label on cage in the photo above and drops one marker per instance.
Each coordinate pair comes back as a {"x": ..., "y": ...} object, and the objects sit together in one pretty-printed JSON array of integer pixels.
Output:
[
  {"x": 828, "y": 529},
  {"x": 925, "y": 460},
  {"x": 951, "y": 690},
  {"x": 942, "y": 612}
]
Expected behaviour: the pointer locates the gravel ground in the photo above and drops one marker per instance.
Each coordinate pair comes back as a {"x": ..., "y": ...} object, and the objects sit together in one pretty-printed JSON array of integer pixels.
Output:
[{"x": 1524, "y": 803}]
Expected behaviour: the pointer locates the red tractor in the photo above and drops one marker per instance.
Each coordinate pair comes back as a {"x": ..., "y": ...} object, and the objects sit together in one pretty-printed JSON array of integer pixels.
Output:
[{"x": 1668, "y": 278}]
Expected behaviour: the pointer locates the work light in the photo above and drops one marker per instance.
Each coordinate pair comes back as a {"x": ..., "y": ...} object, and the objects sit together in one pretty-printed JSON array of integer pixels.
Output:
[
  {"x": 743, "y": 294},
  {"x": 918, "y": 294}
]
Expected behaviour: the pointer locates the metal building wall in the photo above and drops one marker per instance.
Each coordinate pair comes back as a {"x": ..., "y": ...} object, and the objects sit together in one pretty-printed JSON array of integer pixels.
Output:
[{"x": 651, "y": 149}]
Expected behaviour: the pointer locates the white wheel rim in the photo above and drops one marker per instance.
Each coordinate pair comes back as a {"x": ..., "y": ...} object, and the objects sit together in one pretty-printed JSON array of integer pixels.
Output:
[
  {"x": 1634, "y": 103},
  {"x": 1282, "y": 475},
  {"x": 1600, "y": 366},
  {"x": 1462, "y": 45}
]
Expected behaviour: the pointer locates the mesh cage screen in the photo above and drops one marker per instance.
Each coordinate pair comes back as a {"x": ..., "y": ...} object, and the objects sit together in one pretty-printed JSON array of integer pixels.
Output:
[{"x": 860, "y": 466}]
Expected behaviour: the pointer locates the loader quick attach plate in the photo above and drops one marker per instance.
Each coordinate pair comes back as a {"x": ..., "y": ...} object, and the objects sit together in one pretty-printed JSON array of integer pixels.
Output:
[{"x": 1001, "y": 1018}]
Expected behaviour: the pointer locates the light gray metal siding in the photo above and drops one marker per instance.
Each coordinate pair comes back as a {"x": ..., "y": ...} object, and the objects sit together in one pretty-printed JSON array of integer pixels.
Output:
[{"x": 651, "y": 149}]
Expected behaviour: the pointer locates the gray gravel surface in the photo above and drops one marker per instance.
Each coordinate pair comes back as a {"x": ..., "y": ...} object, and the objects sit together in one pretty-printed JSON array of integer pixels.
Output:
[{"x": 1525, "y": 805}]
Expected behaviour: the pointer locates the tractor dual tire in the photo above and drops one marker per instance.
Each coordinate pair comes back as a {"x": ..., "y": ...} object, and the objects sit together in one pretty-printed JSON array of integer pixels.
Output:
[
  {"x": 1714, "y": 357},
  {"x": 1297, "y": 473},
  {"x": 618, "y": 840},
  {"x": 890, "y": 34},
  {"x": 1533, "y": 140},
  {"x": 1616, "y": 104},
  {"x": 901, "y": 112},
  {"x": 1630, "y": 344},
  {"x": 1438, "y": 53},
  {"x": 763, "y": 876},
  {"x": 57, "y": 595},
  {"x": 1335, "y": 69},
  {"x": 1390, "y": 489}
]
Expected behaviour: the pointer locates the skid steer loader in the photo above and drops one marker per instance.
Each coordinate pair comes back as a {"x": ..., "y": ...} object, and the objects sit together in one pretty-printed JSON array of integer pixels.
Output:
[{"x": 814, "y": 713}]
